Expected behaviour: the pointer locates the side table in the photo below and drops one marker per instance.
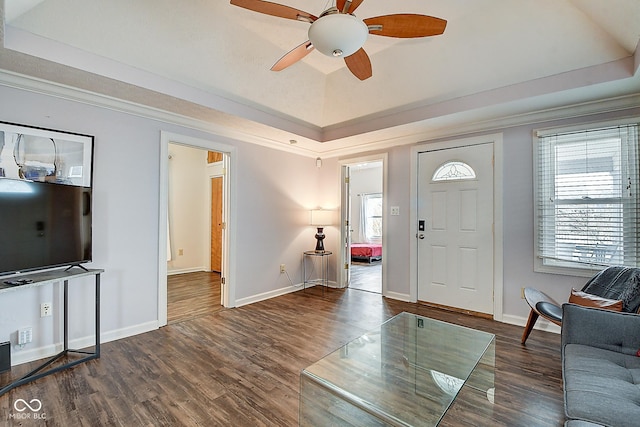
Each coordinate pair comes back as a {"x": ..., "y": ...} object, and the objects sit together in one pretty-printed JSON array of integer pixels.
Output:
[
  {"x": 43, "y": 278},
  {"x": 323, "y": 279}
]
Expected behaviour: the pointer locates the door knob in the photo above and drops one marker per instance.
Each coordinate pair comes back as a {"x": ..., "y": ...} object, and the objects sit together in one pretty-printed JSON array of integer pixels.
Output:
[{"x": 420, "y": 236}]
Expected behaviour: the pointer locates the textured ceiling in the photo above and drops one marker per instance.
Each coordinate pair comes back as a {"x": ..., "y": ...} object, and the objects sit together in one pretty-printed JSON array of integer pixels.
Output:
[{"x": 496, "y": 57}]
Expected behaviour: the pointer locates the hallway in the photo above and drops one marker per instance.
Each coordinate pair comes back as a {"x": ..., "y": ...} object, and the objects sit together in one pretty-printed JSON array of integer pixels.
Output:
[{"x": 192, "y": 295}]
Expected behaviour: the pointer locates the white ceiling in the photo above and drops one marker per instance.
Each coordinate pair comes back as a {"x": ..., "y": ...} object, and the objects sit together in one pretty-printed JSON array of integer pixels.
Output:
[{"x": 210, "y": 60}]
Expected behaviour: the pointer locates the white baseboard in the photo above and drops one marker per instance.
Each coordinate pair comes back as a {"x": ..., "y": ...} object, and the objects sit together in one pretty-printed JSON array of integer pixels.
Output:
[
  {"x": 19, "y": 357},
  {"x": 541, "y": 324},
  {"x": 267, "y": 295},
  {"x": 276, "y": 293},
  {"x": 398, "y": 296},
  {"x": 129, "y": 331},
  {"x": 186, "y": 270}
]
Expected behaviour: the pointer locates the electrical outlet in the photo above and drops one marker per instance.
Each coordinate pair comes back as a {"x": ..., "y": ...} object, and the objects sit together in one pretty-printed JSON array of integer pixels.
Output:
[
  {"x": 45, "y": 309},
  {"x": 180, "y": 252},
  {"x": 25, "y": 335},
  {"x": 283, "y": 268}
]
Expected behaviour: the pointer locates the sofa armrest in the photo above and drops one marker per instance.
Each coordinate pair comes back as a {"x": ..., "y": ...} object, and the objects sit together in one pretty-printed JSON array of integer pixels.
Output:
[{"x": 609, "y": 330}]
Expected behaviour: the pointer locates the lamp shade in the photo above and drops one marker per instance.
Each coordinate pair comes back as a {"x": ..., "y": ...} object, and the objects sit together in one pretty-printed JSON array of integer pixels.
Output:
[
  {"x": 338, "y": 34},
  {"x": 321, "y": 217}
]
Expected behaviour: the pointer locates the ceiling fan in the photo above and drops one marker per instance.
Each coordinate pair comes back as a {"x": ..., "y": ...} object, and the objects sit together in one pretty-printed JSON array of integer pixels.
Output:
[{"x": 339, "y": 33}]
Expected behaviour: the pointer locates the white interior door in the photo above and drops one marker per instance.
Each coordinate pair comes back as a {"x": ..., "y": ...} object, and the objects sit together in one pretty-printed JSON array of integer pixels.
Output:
[
  {"x": 346, "y": 227},
  {"x": 455, "y": 227}
]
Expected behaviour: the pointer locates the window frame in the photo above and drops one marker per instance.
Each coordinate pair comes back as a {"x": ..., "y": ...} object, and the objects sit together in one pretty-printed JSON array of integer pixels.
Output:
[
  {"x": 365, "y": 199},
  {"x": 438, "y": 177},
  {"x": 565, "y": 267}
]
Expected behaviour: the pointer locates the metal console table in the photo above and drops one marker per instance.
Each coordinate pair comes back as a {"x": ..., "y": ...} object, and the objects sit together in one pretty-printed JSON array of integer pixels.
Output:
[
  {"x": 43, "y": 278},
  {"x": 323, "y": 280}
]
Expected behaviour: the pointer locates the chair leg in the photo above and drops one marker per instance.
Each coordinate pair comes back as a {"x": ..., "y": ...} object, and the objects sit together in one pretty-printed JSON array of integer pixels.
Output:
[{"x": 533, "y": 317}]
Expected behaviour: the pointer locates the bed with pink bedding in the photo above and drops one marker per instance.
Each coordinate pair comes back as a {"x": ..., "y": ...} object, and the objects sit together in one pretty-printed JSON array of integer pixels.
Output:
[{"x": 366, "y": 252}]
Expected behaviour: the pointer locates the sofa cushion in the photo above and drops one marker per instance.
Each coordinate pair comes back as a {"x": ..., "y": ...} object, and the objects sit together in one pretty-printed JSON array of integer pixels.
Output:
[
  {"x": 590, "y": 300},
  {"x": 601, "y": 386}
]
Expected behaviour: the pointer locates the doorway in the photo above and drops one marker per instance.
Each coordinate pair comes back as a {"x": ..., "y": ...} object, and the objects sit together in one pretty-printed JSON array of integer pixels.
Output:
[
  {"x": 497, "y": 167},
  {"x": 196, "y": 237},
  {"x": 455, "y": 235},
  {"x": 195, "y": 223},
  {"x": 216, "y": 224},
  {"x": 363, "y": 225}
]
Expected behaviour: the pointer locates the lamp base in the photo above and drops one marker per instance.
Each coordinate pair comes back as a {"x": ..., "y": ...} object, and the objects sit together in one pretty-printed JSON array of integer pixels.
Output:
[{"x": 319, "y": 240}]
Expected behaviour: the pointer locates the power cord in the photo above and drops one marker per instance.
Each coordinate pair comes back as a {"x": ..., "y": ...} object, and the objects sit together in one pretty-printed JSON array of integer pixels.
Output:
[{"x": 291, "y": 281}]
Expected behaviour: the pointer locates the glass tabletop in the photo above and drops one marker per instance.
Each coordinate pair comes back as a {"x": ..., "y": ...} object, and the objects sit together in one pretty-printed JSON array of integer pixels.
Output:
[{"x": 406, "y": 372}]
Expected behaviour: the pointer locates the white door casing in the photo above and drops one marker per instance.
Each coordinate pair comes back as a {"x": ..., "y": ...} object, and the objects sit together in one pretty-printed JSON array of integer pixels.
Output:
[
  {"x": 456, "y": 247},
  {"x": 229, "y": 212},
  {"x": 346, "y": 227},
  {"x": 345, "y": 212}
]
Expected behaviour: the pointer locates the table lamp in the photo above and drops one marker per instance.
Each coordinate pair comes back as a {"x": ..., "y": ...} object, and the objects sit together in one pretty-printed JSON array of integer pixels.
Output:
[{"x": 320, "y": 218}]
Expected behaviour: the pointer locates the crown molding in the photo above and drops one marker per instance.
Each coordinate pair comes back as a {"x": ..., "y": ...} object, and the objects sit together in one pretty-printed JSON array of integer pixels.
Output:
[
  {"x": 69, "y": 93},
  {"x": 401, "y": 135}
]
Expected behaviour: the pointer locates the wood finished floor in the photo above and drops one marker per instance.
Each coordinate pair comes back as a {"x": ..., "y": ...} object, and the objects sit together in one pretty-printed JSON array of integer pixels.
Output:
[
  {"x": 366, "y": 277},
  {"x": 191, "y": 295},
  {"x": 240, "y": 367}
]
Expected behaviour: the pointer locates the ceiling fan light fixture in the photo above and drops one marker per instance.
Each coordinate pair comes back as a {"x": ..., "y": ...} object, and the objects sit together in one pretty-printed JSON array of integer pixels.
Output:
[{"x": 338, "y": 34}]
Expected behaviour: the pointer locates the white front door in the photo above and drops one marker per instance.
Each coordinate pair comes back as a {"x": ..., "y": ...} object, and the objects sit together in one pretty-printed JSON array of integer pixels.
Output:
[{"x": 455, "y": 227}]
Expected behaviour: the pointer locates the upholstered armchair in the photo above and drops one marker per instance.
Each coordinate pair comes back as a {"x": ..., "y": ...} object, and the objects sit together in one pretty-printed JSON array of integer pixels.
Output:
[{"x": 614, "y": 288}]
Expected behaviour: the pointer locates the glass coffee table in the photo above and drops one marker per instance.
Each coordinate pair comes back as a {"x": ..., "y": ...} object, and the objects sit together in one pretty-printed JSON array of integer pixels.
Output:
[{"x": 407, "y": 372}]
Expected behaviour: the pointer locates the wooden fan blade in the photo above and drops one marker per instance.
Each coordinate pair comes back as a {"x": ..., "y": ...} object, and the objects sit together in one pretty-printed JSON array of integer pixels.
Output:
[
  {"x": 293, "y": 56},
  {"x": 406, "y": 25},
  {"x": 274, "y": 9},
  {"x": 359, "y": 64},
  {"x": 354, "y": 5},
  {"x": 351, "y": 6}
]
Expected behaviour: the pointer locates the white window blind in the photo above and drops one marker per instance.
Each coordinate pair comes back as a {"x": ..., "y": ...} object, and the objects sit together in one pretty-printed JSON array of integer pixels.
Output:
[
  {"x": 372, "y": 214},
  {"x": 587, "y": 197}
]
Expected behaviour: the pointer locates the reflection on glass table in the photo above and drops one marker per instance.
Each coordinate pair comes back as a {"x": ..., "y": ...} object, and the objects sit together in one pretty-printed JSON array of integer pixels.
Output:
[{"x": 407, "y": 372}]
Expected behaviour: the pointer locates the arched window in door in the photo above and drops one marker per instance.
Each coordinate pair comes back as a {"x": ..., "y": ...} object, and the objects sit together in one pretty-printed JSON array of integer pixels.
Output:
[{"x": 453, "y": 171}]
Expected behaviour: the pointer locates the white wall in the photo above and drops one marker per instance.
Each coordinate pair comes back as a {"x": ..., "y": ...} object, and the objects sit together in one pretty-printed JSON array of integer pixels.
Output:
[
  {"x": 279, "y": 190},
  {"x": 188, "y": 209},
  {"x": 518, "y": 219},
  {"x": 275, "y": 190}
]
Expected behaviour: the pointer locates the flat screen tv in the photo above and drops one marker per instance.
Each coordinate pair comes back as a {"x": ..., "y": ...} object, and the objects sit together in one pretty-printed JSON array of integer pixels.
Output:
[{"x": 43, "y": 225}]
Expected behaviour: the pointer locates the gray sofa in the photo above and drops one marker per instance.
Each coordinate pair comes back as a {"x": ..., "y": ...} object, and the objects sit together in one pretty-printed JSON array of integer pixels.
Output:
[{"x": 600, "y": 368}]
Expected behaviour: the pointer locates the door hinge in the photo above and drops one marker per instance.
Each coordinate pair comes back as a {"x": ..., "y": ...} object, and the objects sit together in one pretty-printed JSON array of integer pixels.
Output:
[
  {"x": 346, "y": 265},
  {"x": 222, "y": 280},
  {"x": 224, "y": 225},
  {"x": 224, "y": 171},
  {"x": 346, "y": 179}
]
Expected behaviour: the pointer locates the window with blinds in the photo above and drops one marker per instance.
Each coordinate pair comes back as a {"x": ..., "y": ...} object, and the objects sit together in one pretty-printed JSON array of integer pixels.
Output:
[
  {"x": 372, "y": 204},
  {"x": 586, "y": 197}
]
